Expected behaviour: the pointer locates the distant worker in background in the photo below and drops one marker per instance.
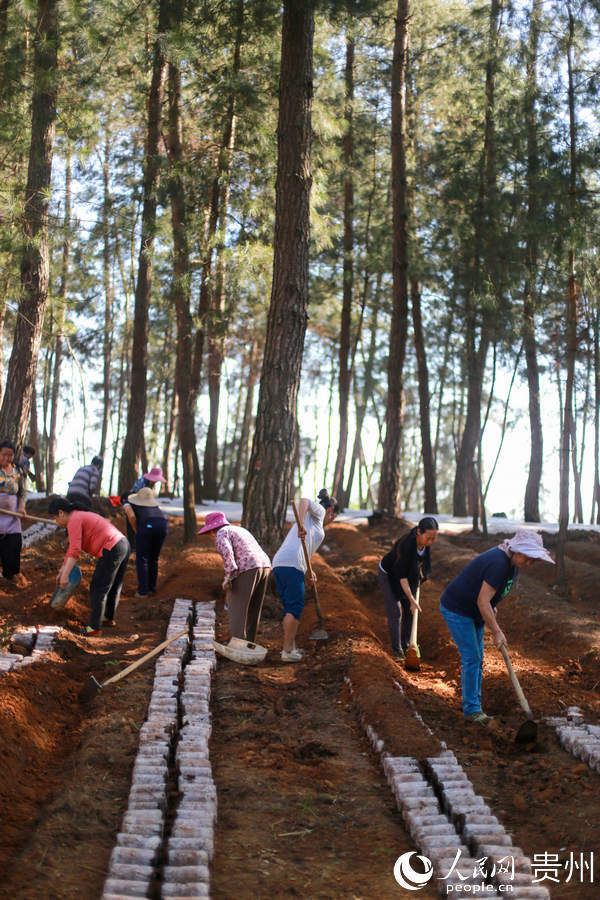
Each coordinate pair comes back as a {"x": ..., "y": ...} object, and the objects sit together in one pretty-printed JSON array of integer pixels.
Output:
[
  {"x": 12, "y": 497},
  {"x": 25, "y": 458},
  {"x": 85, "y": 483},
  {"x": 289, "y": 565},
  {"x": 150, "y": 528},
  {"x": 401, "y": 571},
  {"x": 150, "y": 480},
  {"x": 97, "y": 536}
]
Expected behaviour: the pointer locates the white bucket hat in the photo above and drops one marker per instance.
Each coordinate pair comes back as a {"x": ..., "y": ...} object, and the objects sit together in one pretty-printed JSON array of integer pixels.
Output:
[
  {"x": 240, "y": 651},
  {"x": 530, "y": 544}
]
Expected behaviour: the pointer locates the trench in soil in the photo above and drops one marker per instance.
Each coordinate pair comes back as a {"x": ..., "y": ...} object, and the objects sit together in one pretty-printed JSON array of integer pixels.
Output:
[{"x": 303, "y": 805}]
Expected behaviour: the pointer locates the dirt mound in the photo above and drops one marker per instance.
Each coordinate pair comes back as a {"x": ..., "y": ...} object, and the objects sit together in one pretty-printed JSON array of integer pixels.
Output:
[{"x": 303, "y": 807}]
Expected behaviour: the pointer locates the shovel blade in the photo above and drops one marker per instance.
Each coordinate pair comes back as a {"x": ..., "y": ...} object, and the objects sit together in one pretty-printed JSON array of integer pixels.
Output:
[
  {"x": 411, "y": 660},
  {"x": 319, "y": 634},
  {"x": 527, "y": 733},
  {"x": 89, "y": 691}
]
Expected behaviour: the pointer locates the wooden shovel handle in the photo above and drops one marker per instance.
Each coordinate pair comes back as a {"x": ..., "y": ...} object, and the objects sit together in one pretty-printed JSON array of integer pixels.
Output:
[
  {"x": 18, "y": 515},
  {"x": 143, "y": 659},
  {"x": 307, "y": 560},
  {"x": 515, "y": 683},
  {"x": 413, "y": 629}
]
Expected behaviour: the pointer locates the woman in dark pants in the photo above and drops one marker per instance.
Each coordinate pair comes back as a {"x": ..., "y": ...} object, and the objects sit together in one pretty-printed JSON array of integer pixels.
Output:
[
  {"x": 98, "y": 537},
  {"x": 12, "y": 498},
  {"x": 150, "y": 525},
  {"x": 401, "y": 571}
]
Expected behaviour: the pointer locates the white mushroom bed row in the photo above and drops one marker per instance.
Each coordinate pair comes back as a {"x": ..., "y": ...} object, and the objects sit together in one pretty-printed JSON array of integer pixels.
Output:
[
  {"x": 579, "y": 739},
  {"x": 38, "y": 639},
  {"x": 37, "y": 532},
  {"x": 143, "y": 843},
  {"x": 453, "y": 826}
]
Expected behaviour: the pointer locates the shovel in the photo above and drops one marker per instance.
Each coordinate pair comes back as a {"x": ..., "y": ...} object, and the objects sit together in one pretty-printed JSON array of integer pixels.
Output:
[
  {"x": 319, "y": 634},
  {"x": 93, "y": 687},
  {"x": 527, "y": 733},
  {"x": 412, "y": 659},
  {"x": 18, "y": 515}
]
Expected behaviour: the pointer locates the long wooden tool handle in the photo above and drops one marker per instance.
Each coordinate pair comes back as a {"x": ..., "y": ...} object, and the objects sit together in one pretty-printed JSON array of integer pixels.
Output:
[
  {"x": 515, "y": 683},
  {"x": 413, "y": 629},
  {"x": 143, "y": 659},
  {"x": 18, "y": 515},
  {"x": 307, "y": 559}
]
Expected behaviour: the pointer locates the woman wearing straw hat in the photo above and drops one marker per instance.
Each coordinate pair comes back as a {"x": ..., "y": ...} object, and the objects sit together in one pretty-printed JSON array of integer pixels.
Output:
[
  {"x": 469, "y": 603},
  {"x": 247, "y": 569},
  {"x": 150, "y": 480},
  {"x": 150, "y": 526}
]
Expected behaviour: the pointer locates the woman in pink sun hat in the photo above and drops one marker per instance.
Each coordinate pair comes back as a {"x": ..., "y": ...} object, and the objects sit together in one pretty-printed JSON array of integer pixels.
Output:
[
  {"x": 247, "y": 570},
  {"x": 155, "y": 474}
]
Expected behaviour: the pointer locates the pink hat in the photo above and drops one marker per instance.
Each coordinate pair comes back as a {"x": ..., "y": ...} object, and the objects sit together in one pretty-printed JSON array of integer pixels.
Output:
[
  {"x": 212, "y": 521},
  {"x": 155, "y": 474},
  {"x": 530, "y": 544}
]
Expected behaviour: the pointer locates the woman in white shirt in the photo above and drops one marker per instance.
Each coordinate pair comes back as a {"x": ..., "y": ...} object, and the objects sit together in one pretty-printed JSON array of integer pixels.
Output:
[{"x": 289, "y": 565}]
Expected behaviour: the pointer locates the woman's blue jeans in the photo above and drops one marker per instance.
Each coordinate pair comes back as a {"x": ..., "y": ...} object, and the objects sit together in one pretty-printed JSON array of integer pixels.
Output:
[{"x": 468, "y": 637}]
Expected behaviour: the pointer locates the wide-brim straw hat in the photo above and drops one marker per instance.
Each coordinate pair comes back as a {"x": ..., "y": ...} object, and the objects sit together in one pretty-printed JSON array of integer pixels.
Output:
[{"x": 144, "y": 497}]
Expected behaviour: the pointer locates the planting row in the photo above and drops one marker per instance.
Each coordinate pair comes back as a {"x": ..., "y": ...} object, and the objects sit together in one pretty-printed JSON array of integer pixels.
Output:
[
  {"x": 35, "y": 641},
  {"x": 465, "y": 846},
  {"x": 579, "y": 739},
  {"x": 166, "y": 838}
]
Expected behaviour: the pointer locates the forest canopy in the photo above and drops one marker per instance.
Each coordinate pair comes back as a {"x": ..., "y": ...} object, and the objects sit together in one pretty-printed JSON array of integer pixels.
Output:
[{"x": 271, "y": 244}]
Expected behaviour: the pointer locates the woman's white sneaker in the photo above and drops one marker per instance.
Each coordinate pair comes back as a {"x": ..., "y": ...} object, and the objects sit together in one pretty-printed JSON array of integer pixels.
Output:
[{"x": 292, "y": 656}]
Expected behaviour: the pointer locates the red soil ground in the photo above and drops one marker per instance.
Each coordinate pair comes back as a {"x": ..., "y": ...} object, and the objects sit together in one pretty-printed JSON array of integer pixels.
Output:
[{"x": 304, "y": 809}]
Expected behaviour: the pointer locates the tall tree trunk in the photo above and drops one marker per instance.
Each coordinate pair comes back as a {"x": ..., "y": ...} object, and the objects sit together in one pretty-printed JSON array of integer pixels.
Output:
[
  {"x": 390, "y": 480},
  {"x": 16, "y": 403},
  {"x": 596, "y": 340},
  {"x": 532, "y": 490},
  {"x": 344, "y": 374},
  {"x": 443, "y": 372},
  {"x": 34, "y": 438},
  {"x": 485, "y": 228},
  {"x": 58, "y": 327},
  {"x": 136, "y": 412},
  {"x": 571, "y": 320},
  {"x": 430, "y": 493},
  {"x": 181, "y": 299},
  {"x": 217, "y": 319},
  {"x": 578, "y": 513},
  {"x": 270, "y": 470},
  {"x": 368, "y": 381},
  {"x": 3, "y": 300},
  {"x": 427, "y": 456},
  {"x": 172, "y": 415},
  {"x": 241, "y": 457},
  {"x": 123, "y": 366},
  {"x": 108, "y": 291}
]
